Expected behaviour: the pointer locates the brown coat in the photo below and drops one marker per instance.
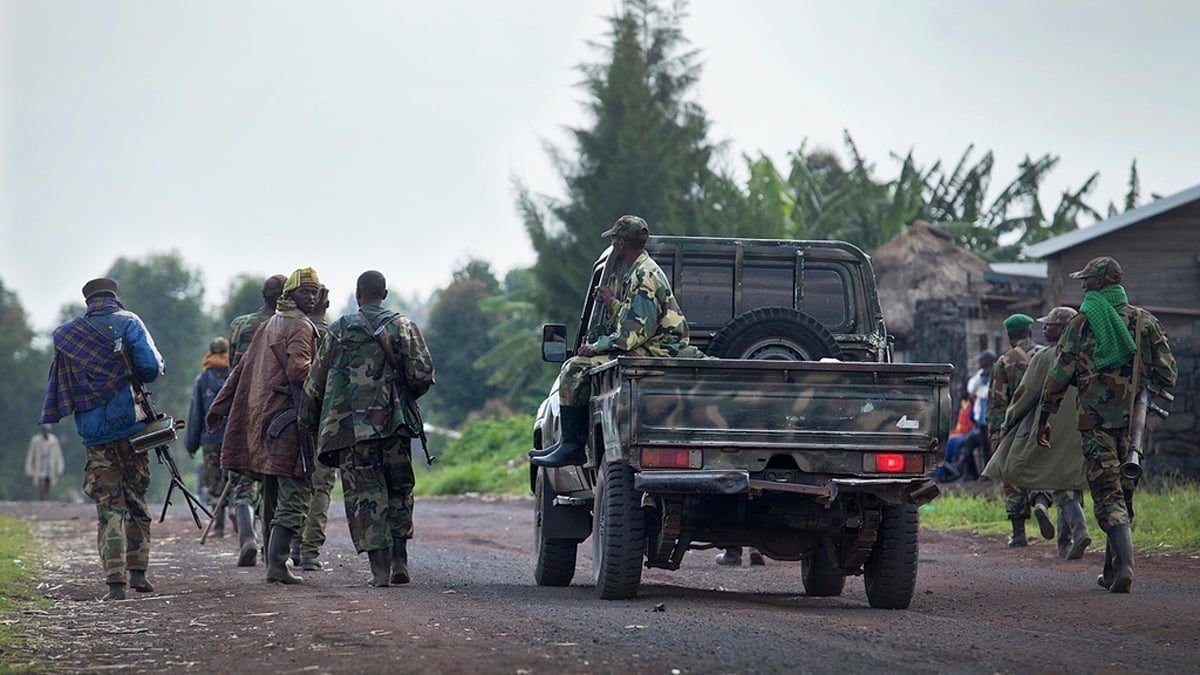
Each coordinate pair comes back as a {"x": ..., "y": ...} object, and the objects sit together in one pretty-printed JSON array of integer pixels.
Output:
[{"x": 251, "y": 401}]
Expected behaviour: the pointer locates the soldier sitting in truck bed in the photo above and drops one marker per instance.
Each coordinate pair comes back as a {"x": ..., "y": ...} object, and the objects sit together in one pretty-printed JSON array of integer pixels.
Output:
[{"x": 646, "y": 322}]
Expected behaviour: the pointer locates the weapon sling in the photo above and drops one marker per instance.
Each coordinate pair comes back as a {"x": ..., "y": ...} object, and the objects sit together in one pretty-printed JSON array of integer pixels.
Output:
[{"x": 400, "y": 384}]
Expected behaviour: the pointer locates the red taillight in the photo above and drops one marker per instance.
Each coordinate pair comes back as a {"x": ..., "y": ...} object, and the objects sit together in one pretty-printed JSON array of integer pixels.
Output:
[
  {"x": 666, "y": 458},
  {"x": 898, "y": 463}
]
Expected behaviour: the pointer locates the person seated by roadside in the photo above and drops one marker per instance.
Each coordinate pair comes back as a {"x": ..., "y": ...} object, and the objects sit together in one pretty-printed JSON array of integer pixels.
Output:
[{"x": 954, "y": 463}]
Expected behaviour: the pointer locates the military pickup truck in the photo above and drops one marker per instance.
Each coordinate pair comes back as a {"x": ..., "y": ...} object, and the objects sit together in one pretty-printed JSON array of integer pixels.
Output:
[{"x": 787, "y": 429}]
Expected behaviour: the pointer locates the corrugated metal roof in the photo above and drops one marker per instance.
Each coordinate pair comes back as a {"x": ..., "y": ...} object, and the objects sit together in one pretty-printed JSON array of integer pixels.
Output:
[
  {"x": 1083, "y": 234},
  {"x": 1035, "y": 270}
]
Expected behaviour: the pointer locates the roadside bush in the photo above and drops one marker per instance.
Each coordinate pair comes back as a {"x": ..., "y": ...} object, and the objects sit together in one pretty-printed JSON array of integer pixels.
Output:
[{"x": 488, "y": 457}]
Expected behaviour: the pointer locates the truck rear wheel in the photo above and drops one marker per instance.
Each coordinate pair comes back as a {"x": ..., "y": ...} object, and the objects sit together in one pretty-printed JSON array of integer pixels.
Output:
[
  {"x": 555, "y": 557},
  {"x": 774, "y": 334},
  {"x": 820, "y": 579},
  {"x": 890, "y": 573},
  {"x": 618, "y": 534}
]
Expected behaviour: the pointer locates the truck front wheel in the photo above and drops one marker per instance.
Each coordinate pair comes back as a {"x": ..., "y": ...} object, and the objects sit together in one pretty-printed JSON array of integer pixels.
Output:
[
  {"x": 555, "y": 557},
  {"x": 618, "y": 534},
  {"x": 890, "y": 573}
]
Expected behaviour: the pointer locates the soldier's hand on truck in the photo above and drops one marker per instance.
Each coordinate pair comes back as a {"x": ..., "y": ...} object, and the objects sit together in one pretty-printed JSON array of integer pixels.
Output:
[
  {"x": 586, "y": 350},
  {"x": 603, "y": 294}
]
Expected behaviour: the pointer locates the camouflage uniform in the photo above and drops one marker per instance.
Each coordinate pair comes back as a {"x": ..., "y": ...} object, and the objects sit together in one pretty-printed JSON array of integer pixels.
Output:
[
  {"x": 312, "y": 535},
  {"x": 117, "y": 478},
  {"x": 647, "y": 322},
  {"x": 1105, "y": 399},
  {"x": 1007, "y": 372},
  {"x": 361, "y": 424}
]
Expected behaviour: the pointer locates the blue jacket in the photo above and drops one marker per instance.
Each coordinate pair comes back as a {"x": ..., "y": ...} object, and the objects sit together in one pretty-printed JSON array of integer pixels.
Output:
[
  {"x": 117, "y": 418},
  {"x": 208, "y": 383}
]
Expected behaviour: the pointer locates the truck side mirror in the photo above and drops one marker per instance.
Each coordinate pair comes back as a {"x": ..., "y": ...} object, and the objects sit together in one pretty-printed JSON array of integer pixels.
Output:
[{"x": 554, "y": 342}]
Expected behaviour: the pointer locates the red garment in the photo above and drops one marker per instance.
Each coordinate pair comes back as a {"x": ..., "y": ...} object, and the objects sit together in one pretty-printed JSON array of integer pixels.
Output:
[{"x": 964, "y": 424}]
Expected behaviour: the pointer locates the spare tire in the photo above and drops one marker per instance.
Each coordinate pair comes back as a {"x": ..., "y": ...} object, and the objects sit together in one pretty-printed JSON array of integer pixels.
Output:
[{"x": 774, "y": 334}]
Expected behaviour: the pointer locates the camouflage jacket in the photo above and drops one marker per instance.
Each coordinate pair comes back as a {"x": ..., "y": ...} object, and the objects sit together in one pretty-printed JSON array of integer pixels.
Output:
[
  {"x": 241, "y": 331},
  {"x": 1006, "y": 375},
  {"x": 1105, "y": 396},
  {"x": 349, "y": 393},
  {"x": 644, "y": 313}
]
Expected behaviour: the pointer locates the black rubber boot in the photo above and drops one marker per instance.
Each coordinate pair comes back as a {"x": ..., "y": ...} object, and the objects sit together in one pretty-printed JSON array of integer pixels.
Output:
[
  {"x": 138, "y": 581},
  {"x": 1079, "y": 532},
  {"x": 115, "y": 592},
  {"x": 1122, "y": 544},
  {"x": 756, "y": 558},
  {"x": 400, "y": 561},
  {"x": 1041, "y": 511},
  {"x": 1064, "y": 534},
  {"x": 1018, "y": 536},
  {"x": 247, "y": 545},
  {"x": 731, "y": 556},
  {"x": 381, "y": 567},
  {"x": 1105, "y": 580},
  {"x": 572, "y": 447},
  {"x": 311, "y": 564},
  {"x": 218, "y": 529},
  {"x": 278, "y": 546}
]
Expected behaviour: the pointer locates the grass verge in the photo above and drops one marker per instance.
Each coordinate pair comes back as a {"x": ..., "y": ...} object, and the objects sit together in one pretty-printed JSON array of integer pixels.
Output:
[
  {"x": 1167, "y": 517},
  {"x": 18, "y": 580}
]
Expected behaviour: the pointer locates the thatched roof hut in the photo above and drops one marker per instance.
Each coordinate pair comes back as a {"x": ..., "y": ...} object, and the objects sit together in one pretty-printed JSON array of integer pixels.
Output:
[{"x": 922, "y": 263}]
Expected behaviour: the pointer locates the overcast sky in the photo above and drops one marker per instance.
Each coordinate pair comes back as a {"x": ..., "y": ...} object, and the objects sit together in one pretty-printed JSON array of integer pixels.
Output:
[{"x": 257, "y": 137}]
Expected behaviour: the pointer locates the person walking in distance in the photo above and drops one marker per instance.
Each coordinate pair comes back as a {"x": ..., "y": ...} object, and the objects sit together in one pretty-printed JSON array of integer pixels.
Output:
[
  {"x": 1109, "y": 351},
  {"x": 215, "y": 371},
  {"x": 96, "y": 356},
  {"x": 260, "y": 400},
  {"x": 44, "y": 461},
  {"x": 367, "y": 365}
]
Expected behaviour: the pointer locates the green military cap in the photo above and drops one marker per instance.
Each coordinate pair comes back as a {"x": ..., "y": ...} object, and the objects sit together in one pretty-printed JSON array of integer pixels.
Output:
[
  {"x": 1017, "y": 323},
  {"x": 1058, "y": 315},
  {"x": 1103, "y": 266},
  {"x": 625, "y": 227}
]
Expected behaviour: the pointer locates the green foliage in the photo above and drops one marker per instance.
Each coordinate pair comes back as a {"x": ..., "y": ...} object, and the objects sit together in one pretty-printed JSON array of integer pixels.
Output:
[
  {"x": 487, "y": 457},
  {"x": 244, "y": 297},
  {"x": 22, "y": 391},
  {"x": 457, "y": 335},
  {"x": 1167, "y": 518},
  {"x": 514, "y": 362},
  {"x": 646, "y": 153},
  {"x": 18, "y": 555}
]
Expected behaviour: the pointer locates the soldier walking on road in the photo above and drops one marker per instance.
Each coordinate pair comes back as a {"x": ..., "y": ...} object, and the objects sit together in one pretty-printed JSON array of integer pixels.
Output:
[
  {"x": 307, "y": 552},
  {"x": 1006, "y": 376},
  {"x": 1020, "y": 462},
  {"x": 204, "y": 390},
  {"x": 243, "y": 494},
  {"x": 1108, "y": 351},
  {"x": 366, "y": 366},
  {"x": 90, "y": 378},
  {"x": 261, "y": 399}
]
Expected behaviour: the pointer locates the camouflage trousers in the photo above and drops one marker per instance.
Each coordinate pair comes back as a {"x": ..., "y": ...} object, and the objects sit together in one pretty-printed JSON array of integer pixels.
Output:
[
  {"x": 1112, "y": 496},
  {"x": 243, "y": 492},
  {"x": 117, "y": 478},
  {"x": 214, "y": 476},
  {"x": 377, "y": 482},
  {"x": 1061, "y": 497},
  {"x": 284, "y": 502},
  {"x": 312, "y": 535},
  {"x": 573, "y": 385}
]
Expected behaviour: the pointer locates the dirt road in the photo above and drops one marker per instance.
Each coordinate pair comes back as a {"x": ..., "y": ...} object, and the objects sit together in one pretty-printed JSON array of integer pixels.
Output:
[{"x": 473, "y": 607}]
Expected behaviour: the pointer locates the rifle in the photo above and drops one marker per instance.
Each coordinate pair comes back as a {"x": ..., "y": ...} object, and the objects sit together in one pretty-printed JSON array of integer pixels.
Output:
[
  {"x": 399, "y": 380},
  {"x": 1132, "y": 467},
  {"x": 158, "y": 434},
  {"x": 304, "y": 440}
]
